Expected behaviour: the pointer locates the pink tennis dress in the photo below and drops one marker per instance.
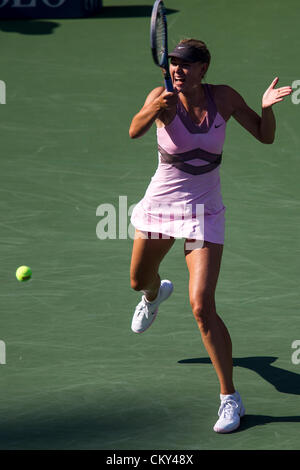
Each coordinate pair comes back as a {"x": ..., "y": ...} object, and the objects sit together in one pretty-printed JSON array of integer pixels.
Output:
[{"x": 183, "y": 199}]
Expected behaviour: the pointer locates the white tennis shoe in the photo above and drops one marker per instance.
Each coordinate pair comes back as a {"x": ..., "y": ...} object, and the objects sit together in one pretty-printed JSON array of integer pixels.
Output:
[
  {"x": 230, "y": 412},
  {"x": 145, "y": 312}
]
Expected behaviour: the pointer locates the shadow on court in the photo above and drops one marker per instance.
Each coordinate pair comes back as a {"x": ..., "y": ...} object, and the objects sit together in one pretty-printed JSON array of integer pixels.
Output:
[
  {"x": 52, "y": 429},
  {"x": 30, "y": 27},
  {"x": 250, "y": 421},
  {"x": 283, "y": 380}
]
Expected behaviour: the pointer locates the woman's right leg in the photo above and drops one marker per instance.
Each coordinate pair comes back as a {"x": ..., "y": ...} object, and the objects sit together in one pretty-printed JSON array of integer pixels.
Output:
[{"x": 147, "y": 254}]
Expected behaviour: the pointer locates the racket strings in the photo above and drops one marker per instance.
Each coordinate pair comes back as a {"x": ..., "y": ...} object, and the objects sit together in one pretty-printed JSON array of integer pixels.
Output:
[{"x": 160, "y": 37}]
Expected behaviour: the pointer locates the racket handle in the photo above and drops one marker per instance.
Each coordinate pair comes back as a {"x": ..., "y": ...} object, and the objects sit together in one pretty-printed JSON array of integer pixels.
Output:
[{"x": 169, "y": 84}]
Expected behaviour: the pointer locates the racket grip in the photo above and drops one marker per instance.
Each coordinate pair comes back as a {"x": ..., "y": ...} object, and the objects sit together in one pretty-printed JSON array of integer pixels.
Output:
[{"x": 169, "y": 84}]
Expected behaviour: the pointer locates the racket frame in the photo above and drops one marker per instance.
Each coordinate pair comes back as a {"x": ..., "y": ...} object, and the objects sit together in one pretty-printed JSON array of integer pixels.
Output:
[{"x": 159, "y": 8}]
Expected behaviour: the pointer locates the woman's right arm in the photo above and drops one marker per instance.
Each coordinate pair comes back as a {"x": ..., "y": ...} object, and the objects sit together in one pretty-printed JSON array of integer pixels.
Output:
[{"x": 157, "y": 104}]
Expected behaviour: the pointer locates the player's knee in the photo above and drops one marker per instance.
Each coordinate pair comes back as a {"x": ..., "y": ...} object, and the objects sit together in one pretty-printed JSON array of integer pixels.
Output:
[{"x": 203, "y": 309}]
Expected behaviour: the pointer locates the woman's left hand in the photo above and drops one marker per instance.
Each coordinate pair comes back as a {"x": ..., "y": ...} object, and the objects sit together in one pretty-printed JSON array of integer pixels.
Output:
[{"x": 274, "y": 95}]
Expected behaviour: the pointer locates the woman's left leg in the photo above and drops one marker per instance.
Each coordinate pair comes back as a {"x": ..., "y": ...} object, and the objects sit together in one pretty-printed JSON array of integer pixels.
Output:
[{"x": 204, "y": 266}]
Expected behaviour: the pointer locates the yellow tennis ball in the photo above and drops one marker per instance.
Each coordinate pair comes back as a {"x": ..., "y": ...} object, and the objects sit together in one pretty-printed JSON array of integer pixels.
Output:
[{"x": 23, "y": 273}]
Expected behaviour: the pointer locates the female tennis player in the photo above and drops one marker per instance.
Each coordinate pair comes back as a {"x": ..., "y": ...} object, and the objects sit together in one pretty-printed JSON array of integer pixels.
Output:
[{"x": 191, "y": 124}]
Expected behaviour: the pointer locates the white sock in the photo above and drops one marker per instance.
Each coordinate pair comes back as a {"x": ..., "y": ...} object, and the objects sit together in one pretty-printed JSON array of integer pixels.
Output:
[{"x": 234, "y": 395}]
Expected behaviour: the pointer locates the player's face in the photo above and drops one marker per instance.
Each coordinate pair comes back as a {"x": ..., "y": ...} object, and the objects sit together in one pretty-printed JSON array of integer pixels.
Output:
[{"x": 185, "y": 75}]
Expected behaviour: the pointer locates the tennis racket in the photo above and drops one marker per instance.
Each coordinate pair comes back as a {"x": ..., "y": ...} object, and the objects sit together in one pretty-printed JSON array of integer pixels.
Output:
[{"x": 159, "y": 41}]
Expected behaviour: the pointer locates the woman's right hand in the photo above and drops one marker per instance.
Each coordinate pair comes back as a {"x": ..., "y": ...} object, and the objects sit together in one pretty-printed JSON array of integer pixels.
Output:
[
  {"x": 159, "y": 104},
  {"x": 167, "y": 101}
]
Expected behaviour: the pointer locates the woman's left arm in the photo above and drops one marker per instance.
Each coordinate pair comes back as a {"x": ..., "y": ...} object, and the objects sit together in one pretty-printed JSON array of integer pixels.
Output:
[{"x": 262, "y": 128}]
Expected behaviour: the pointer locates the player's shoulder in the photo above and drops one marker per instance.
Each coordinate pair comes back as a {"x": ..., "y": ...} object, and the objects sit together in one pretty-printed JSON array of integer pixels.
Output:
[
  {"x": 223, "y": 91},
  {"x": 226, "y": 94}
]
